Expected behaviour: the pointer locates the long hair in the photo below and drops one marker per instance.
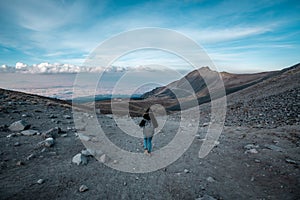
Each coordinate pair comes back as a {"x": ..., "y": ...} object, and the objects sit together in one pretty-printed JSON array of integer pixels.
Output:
[{"x": 150, "y": 116}]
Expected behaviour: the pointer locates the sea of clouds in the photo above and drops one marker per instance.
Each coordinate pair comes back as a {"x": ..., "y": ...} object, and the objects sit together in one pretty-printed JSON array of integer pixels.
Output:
[
  {"x": 57, "y": 80},
  {"x": 55, "y": 68}
]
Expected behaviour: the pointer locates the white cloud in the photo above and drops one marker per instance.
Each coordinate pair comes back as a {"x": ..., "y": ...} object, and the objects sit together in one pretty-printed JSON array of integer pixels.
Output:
[
  {"x": 55, "y": 68},
  {"x": 221, "y": 35},
  {"x": 20, "y": 65}
]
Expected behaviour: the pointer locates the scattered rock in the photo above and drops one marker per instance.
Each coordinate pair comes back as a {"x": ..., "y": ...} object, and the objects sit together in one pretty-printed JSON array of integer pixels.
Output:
[
  {"x": 206, "y": 197},
  {"x": 274, "y": 147},
  {"x": 29, "y": 132},
  {"x": 43, "y": 150},
  {"x": 11, "y": 135},
  {"x": 52, "y": 116},
  {"x": 186, "y": 171},
  {"x": 84, "y": 137},
  {"x": 103, "y": 158},
  {"x": 206, "y": 124},
  {"x": 210, "y": 179},
  {"x": 198, "y": 136},
  {"x": 52, "y": 153},
  {"x": 19, "y": 126},
  {"x": 53, "y": 132},
  {"x": 83, "y": 188},
  {"x": 124, "y": 183},
  {"x": 86, "y": 152},
  {"x": 64, "y": 135},
  {"x": 40, "y": 181},
  {"x": 19, "y": 163},
  {"x": 253, "y": 151},
  {"x": 30, "y": 156},
  {"x": 251, "y": 146},
  {"x": 17, "y": 144},
  {"x": 67, "y": 117},
  {"x": 49, "y": 142},
  {"x": 79, "y": 159},
  {"x": 291, "y": 161}
]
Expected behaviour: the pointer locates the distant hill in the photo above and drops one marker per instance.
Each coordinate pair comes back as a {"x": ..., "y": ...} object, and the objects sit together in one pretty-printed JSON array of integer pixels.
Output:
[{"x": 196, "y": 80}]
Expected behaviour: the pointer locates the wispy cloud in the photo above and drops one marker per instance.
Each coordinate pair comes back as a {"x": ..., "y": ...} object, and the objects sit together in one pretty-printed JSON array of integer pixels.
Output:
[
  {"x": 227, "y": 34},
  {"x": 67, "y": 31}
]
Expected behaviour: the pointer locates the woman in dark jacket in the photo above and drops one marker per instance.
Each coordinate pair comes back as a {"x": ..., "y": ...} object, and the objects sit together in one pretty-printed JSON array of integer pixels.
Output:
[{"x": 148, "y": 123}]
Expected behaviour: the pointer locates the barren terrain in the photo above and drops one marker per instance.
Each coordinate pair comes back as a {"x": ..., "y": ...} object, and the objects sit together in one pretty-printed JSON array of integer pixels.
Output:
[{"x": 257, "y": 156}]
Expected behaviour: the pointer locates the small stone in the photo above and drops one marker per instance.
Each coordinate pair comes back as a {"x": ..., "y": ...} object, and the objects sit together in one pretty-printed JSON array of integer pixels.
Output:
[
  {"x": 17, "y": 144},
  {"x": 19, "y": 126},
  {"x": 79, "y": 159},
  {"x": 198, "y": 136},
  {"x": 210, "y": 179},
  {"x": 103, "y": 158},
  {"x": 186, "y": 171},
  {"x": 252, "y": 179},
  {"x": 86, "y": 152},
  {"x": 24, "y": 115},
  {"x": 291, "y": 161},
  {"x": 67, "y": 117},
  {"x": 29, "y": 132},
  {"x": 274, "y": 147},
  {"x": 205, "y": 124},
  {"x": 64, "y": 135},
  {"x": 19, "y": 163},
  {"x": 257, "y": 161},
  {"x": 11, "y": 135},
  {"x": 30, "y": 156},
  {"x": 251, "y": 146},
  {"x": 253, "y": 151},
  {"x": 124, "y": 183},
  {"x": 84, "y": 137},
  {"x": 206, "y": 197},
  {"x": 52, "y": 153},
  {"x": 53, "y": 132},
  {"x": 83, "y": 188},
  {"x": 52, "y": 116},
  {"x": 40, "y": 181},
  {"x": 49, "y": 142}
]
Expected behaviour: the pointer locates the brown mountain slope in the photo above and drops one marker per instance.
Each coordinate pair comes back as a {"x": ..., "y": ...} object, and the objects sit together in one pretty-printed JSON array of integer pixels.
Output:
[{"x": 194, "y": 82}]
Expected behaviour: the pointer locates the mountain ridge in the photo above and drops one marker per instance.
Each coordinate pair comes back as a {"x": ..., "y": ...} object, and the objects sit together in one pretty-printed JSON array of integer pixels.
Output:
[{"x": 198, "y": 80}]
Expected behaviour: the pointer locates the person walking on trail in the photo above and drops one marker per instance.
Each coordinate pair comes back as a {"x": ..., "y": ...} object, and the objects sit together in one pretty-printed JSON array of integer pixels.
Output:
[{"x": 148, "y": 123}]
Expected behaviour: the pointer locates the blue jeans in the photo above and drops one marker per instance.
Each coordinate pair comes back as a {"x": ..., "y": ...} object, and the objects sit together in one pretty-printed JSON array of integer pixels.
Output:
[{"x": 148, "y": 144}]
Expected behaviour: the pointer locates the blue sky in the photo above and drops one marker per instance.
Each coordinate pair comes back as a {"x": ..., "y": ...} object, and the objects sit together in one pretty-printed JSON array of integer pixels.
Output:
[{"x": 239, "y": 36}]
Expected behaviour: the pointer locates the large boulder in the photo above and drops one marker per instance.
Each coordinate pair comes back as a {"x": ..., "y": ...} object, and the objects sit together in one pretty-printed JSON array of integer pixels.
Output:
[{"x": 19, "y": 126}]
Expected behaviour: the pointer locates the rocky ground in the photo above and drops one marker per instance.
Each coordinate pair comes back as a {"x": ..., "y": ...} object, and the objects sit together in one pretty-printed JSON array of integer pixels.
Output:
[{"x": 42, "y": 157}]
